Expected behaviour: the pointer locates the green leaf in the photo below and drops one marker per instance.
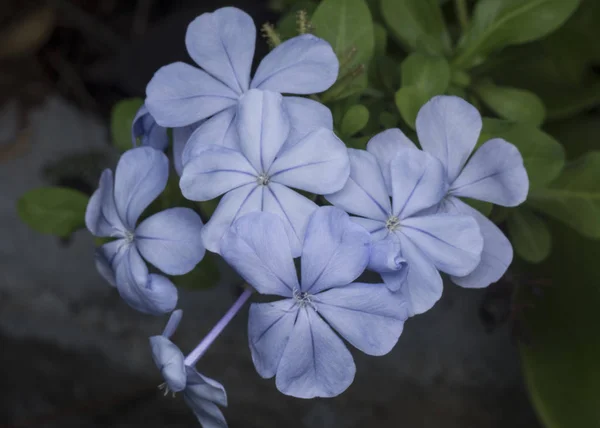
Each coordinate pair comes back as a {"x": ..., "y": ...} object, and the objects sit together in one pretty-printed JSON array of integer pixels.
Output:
[
  {"x": 423, "y": 77},
  {"x": 517, "y": 105},
  {"x": 574, "y": 197},
  {"x": 543, "y": 156},
  {"x": 500, "y": 23},
  {"x": 561, "y": 362},
  {"x": 417, "y": 24},
  {"x": 348, "y": 27},
  {"x": 354, "y": 120},
  {"x": 205, "y": 275},
  {"x": 483, "y": 207},
  {"x": 529, "y": 235},
  {"x": 53, "y": 210},
  {"x": 121, "y": 120},
  {"x": 380, "y": 34}
]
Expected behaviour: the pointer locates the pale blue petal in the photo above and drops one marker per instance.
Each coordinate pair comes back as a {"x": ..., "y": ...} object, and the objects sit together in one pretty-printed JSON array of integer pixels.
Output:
[
  {"x": 423, "y": 286},
  {"x": 202, "y": 387},
  {"x": 306, "y": 115},
  {"x": 169, "y": 360},
  {"x": 497, "y": 252},
  {"x": 385, "y": 146},
  {"x": 336, "y": 250},
  {"x": 418, "y": 182},
  {"x": 180, "y": 95},
  {"x": 365, "y": 193},
  {"x": 368, "y": 316},
  {"x": 318, "y": 164},
  {"x": 148, "y": 131},
  {"x": 376, "y": 228},
  {"x": 452, "y": 242},
  {"x": 207, "y": 413},
  {"x": 301, "y": 65},
  {"x": 263, "y": 126},
  {"x": 315, "y": 362},
  {"x": 218, "y": 130},
  {"x": 293, "y": 208},
  {"x": 152, "y": 294},
  {"x": 386, "y": 256},
  {"x": 140, "y": 177},
  {"x": 213, "y": 171},
  {"x": 173, "y": 323},
  {"x": 180, "y": 138},
  {"x": 257, "y": 247},
  {"x": 222, "y": 43},
  {"x": 101, "y": 217},
  {"x": 107, "y": 257},
  {"x": 395, "y": 280},
  {"x": 234, "y": 204},
  {"x": 170, "y": 240},
  {"x": 494, "y": 174},
  {"x": 269, "y": 329},
  {"x": 448, "y": 128}
]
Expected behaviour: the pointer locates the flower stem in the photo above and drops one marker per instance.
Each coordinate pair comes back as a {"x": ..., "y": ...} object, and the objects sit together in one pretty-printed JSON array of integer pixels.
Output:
[
  {"x": 462, "y": 13},
  {"x": 199, "y": 350}
]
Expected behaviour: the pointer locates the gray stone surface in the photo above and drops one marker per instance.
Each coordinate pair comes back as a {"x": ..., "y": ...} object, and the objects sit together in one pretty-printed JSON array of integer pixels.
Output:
[{"x": 73, "y": 354}]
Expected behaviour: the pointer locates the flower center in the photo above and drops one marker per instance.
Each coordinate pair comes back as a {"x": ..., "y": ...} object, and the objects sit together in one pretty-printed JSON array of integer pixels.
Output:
[
  {"x": 165, "y": 387},
  {"x": 303, "y": 298},
  {"x": 392, "y": 223},
  {"x": 262, "y": 179},
  {"x": 128, "y": 236}
]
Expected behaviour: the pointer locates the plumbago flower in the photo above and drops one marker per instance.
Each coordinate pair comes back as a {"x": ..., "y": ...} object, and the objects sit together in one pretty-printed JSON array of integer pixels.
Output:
[
  {"x": 222, "y": 43},
  {"x": 448, "y": 128},
  {"x": 149, "y": 133},
  {"x": 168, "y": 239},
  {"x": 257, "y": 174},
  {"x": 294, "y": 339},
  {"x": 410, "y": 242}
]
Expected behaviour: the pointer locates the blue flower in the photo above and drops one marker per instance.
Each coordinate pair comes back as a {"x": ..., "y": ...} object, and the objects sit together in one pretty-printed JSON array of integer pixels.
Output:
[
  {"x": 145, "y": 130},
  {"x": 294, "y": 339},
  {"x": 222, "y": 43},
  {"x": 448, "y": 128},
  {"x": 410, "y": 242},
  {"x": 201, "y": 394},
  {"x": 169, "y": 239},
  {"x": 258, "y": 173}
]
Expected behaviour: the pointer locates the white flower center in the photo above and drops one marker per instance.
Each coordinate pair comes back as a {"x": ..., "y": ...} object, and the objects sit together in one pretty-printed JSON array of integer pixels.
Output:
[
  {"x": 303, "y": 299},
  {"x": 128, "y": 236},
  {"x": 262, "y": 179},
  {"x": 392, "y": 223}
]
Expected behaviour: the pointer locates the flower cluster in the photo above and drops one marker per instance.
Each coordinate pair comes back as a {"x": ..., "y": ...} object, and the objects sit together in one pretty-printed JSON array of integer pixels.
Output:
[{"x": 241, "y": 139}]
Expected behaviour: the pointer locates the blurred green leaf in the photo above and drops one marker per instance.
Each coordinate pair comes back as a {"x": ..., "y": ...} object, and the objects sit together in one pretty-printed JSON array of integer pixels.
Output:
[
  {"x": 56, "y": 211},
  {"x": 380, "y": 34},
  {"x": 483, "y": 207},
  {"x": 529, "y": 235},
  {"x": 121, "y": 120},
  {"x": 287, "y": 24},
  {"x": 417, "y": 24},
  {"x": 354, "y": 120},
  {"x": 574, "y": 197},
  {"x": 517, "y": 105},
  {"x": 357, "y": 142},
  {"x": 561, "y": 362},
  {"x": 543, "y": 156},
  {"x": 423, "y": 77},
  {"x": 205, "y": 275},
  {"x": 499, "y": 23},
  {"x": 388, "y": 120}
]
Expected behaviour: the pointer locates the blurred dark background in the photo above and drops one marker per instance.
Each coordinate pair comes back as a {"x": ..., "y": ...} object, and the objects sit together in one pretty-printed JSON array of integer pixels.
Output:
[{"x": 74, "y": 355}]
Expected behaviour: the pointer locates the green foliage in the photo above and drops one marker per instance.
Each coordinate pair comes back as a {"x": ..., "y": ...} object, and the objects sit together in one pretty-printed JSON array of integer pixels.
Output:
[
  {"x": 483, "y": 207},
  {"x": 121, "y": 120},
  {"x": 347, "y": 25},
  {"x": 205, "y": 275},
  {"x": 423, "y": 76},
  {"x": 500, "y": 23},
  {"x": 56, "y": 211},
  {"x": 417, "y": 25},
  {"x": 287, "y": 25},
  {"x": 574, "y": 197},
  {"x": 517, "y": 105},
  {"x": 543, "y": 156},
  {"x": 529, "y": 235},
  {"x": 354, "y": 120},
  {"x": 561, "y": 361}
]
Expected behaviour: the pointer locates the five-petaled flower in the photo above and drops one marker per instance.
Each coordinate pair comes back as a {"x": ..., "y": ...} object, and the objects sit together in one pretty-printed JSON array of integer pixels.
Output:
[
  {"x": 168, "y": 239},
  {"x": 203, "y": 395},
  {"x": 293, "y": 339},
  {"x": 222, "y": 43},
  {"x": 411, "y": 242},
  {"x": 257, "y": 174}
]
